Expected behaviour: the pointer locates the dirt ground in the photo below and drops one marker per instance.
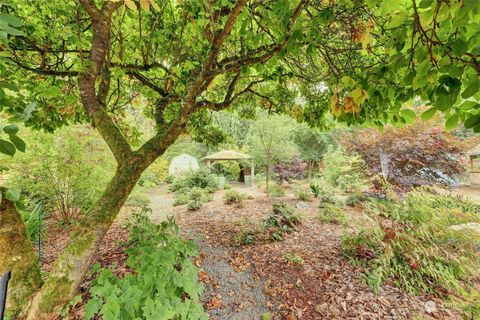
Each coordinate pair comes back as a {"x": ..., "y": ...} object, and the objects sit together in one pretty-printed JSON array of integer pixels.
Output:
[
  {"x": 324, "y": 286},
  {"x": 258, "y": 281}
]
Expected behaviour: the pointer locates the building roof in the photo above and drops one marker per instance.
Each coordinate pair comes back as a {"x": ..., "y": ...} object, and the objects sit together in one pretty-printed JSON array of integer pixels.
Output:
[{"x": 227, "y": 155}]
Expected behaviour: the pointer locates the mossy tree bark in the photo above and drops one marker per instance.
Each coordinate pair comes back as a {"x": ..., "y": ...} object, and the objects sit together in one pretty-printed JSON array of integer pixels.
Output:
[{"x": 17, "y": 255}]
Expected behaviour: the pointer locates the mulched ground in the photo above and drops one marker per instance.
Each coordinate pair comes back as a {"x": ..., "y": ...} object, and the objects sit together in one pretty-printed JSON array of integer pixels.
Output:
[
  {"x": 248, "y": 282},
  {"x": 324, "y": 286}
]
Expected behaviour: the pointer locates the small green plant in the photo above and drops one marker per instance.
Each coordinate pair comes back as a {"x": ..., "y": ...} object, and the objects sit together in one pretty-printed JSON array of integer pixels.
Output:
[
  {"x": 164, "y": 281},
  {"x": 234, "y": 196},
  {"x": 248, "y": 233},
  {"x": 169, "y": 179},
  {"x": 332, "y": 213},
  {"x": 355, "y": 199},
  {"x": 303, "y": 193},
  {"x": 201, "y": 178},
  {"x": 293, "y": 258},
  {"x": 345, "y": 171},
  {"x": 276, "y": 191},
  {"x": 283, "y": 219}
]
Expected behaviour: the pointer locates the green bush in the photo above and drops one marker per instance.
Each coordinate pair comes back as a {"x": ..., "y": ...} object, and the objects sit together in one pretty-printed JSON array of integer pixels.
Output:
[
  {"x": 303, "y": 193},
  {"x": 276, "y": 191},
  {"x": 169, "y": 179},
  {"x": 344, "y": 171},
  {"x": 201, "y": 178},
  {"x": 331, "y": 213},
  {"x": 194, "y": 198},
  {"x": 355, "y": 199},
  {"x": 138, "y": 198},
  {"x": 148, "y": 179},
  {"x": 416, "y": 245},
  {"x": 66, "y": 173},
  {"x": 164, "y": 281},
  {"x": 248, "y": 234},
  {"x": 283, "y": 219},
  {"x": 234, "y": 196}
]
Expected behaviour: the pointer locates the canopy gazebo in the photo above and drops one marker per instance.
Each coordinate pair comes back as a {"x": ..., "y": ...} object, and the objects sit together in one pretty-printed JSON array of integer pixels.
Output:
[{"x": 231, "y": 155}]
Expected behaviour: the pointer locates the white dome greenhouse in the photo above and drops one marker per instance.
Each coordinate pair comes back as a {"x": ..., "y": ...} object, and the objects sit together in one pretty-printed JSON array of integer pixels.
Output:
[{"x": 182, "y": 163}]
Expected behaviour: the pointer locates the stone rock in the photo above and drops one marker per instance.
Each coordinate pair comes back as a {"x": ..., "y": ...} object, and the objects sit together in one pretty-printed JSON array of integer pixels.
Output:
[
  {"x": 467, "y": 226},
  {"x": 430, "y": 307},
  {"x": 302, "y": 205}
]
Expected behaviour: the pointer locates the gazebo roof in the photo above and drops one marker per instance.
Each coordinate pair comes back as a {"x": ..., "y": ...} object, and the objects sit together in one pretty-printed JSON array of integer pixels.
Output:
[
  {"x": 474, "y": 151},
  {"x": 227, "y": 155}
]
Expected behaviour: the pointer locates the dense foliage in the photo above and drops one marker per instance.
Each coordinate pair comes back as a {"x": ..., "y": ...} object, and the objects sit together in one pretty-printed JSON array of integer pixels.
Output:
[
  {"x": 417, "y": 243},
  {"x": 344, "y": 171},
  {"x": 419, "y": 154},
  {"x": 65, "y": 173},
  {"x": 163, "y": 284}
]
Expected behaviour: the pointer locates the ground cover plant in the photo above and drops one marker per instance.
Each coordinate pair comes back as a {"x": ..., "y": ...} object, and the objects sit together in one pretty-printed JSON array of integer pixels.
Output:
[
  {"x": 281, "y": 221},
  {"x": 417, "y": 243},
  {"x": 163, "y": 283},
  {"x": 233, "y": 196}
]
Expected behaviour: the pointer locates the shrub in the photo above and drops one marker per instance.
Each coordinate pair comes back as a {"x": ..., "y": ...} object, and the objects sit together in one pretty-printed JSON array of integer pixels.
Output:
[
  {"x": 201, "y": 178},
  {"x": 233, "y": 196},
  {"x": 165, "y": 277},
  {"x": 323, "y": 192},
  {"x": 248, "y": 233},
  {"x": 66, "y": 173},
  {"x": 345, "y": 171},
  {"x": 355, "y": 199},
  {"x": 303, "y": 193},
  {"x": 283, "y": 219},
  {"x": 137, "y": 198},
  {"x": 294, "y": 169},
  {"x": 293, "y": 258},
  {"x": 194, "y": 198},
  {"x": 418, "y": 154},
  {"x": 169, "y": 179},
  {"x": 148, "y": 179},
  {"x": 332, "y": 213},
  {"x": 275, "y": 190},
  {"x": 416, "y": 245}
]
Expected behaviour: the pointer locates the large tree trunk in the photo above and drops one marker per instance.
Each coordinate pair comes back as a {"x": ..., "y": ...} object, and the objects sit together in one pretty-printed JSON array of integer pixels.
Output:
[
  {"x": 72, "y": 264},
  {"x": 17, "y": 255}
]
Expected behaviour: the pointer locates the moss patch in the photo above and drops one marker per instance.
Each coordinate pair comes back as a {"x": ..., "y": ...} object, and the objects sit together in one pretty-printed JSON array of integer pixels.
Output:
[{"x": 55, "y": 293}]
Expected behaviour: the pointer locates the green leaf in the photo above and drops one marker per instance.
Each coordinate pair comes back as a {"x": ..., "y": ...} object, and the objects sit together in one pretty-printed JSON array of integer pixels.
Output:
[
  {"x": 10, "y": 20},
  {"x": 398, "y": 17},
  {"x": 18, "y": 142},
  {"x": 11, "y": 129},
  {"x": 459, "y": 47},
  {"x": 12, "y": 195},
  {"x": 472, "y": 89},
  {"x": 408, "y": 115},
  {"x": 7, "y": 148},
  {"x": 427, "y": 115},
  {"x": 92, "y": 308},
  {"x": 472, "y": 121},
  {"x": 452, "y": 122},
  {"x": 425, "y": 4}
]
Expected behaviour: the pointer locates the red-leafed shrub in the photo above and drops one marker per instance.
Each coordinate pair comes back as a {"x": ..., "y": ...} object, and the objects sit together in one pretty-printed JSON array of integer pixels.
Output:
[
  {"x": 419, "y": 154},
  {"x": 294, "y": 169}
]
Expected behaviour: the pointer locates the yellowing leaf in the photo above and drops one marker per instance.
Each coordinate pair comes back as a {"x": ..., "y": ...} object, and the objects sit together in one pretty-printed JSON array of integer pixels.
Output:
[
  {"x": 130, "y": 4},
  {"x": 358, "y": 95},
  {"x": 145, "y": 5},
  {"x": 155, "y": 5}
]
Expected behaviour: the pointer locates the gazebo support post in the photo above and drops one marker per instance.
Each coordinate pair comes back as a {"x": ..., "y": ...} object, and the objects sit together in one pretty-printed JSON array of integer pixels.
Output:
[{"x": 253, "y": 173}]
